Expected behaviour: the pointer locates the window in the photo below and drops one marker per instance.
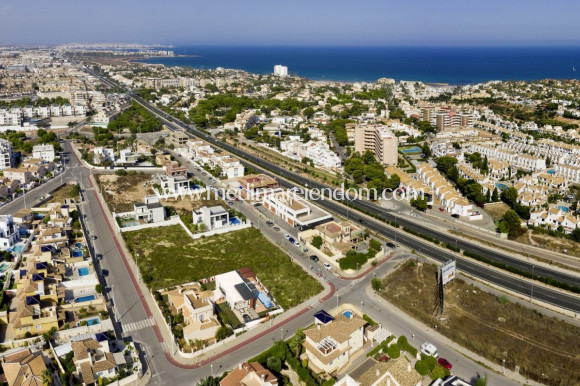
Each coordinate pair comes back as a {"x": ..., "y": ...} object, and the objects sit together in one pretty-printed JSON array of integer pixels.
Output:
[{"x": 38, "y": 327}]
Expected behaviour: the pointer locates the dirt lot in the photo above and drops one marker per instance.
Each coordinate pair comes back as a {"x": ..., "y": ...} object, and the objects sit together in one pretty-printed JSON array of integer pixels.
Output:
[
  {"x": 546, "y": 349},
  {"x": 122, "y": 191},
  {"x": 551, "y": 243},
  {"x": 496, "y": 210},
  {"x": 65, "y": 191}
]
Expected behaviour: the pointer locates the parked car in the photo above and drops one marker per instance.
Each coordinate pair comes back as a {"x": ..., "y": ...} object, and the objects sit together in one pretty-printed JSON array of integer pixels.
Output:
[
  {"x": 230, "y": 203},
  {"x": 327, "y": 266},
  {"x": 93, "y": 237},
  {"x": 269, "y": 223},
  {"x": 455, "y": 215},
  {"x": 105, "y": 272},
  {"x": 441, "y": 209},
  {"x": 445, "y": 363},
  {"x": 384, "y": 358},
  {"x": 291, "y": 239},
  {"x": 296, "y": 243},
  {"x": 99, "y": 256},
  {"x": 391, "y": 245},
  {"x": 429, "y": 349},
  {"x": 287, "y": 236},
  {"x": 314, "y": 258},
  {"x": 276, "y": 229}
]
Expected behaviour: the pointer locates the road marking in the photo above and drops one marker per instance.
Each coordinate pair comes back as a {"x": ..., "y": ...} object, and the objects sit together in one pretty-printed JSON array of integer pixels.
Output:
[
  {"x": 164, "y": 346},
  {"x": 138, "y": 325}
]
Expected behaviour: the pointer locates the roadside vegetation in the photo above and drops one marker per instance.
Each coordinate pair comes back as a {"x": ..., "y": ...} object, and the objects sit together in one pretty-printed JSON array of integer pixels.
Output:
[{"x": 545, "y": 348}]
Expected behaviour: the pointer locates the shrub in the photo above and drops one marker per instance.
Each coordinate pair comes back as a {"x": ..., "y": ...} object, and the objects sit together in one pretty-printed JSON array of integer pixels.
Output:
[
  {"x": 369, "y": 320},
  {"x": 375, "y": 244},
  {"x": 438, "y": 372},
  {"x": 274, "y": 364},
  {"x": 402, "y": 341},
  {"x": 394, "y": 351},
  {"x": 222, "y": 333},
  {"x": 316, "y": 242},
  {"x": 431, "y": 361},
  {"x": 502, "y": 299},
  {"x": 482, "y": 381},
  {"x": 422, "y": 367}
]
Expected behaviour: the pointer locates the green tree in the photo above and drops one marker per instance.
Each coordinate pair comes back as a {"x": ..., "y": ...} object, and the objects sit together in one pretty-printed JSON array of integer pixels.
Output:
[
  {"x": 422, "y": 367},
  {"x": 223, "y": 332},
  {"x": 47, "y": 378},
  {"x": 510, "y": 197},
  {"x": 316, "y": 242},
  {"x": 419, "y": 203},
  {"x": 438, "y": 372},
  {"x": 99, "y": 288},
  {"x": 576, "y": 235},
  {"x": 376, "y": 283},
  {"x": 394, "y": 351},
  {"x": 495, "y": 195},
  {"x": 511, "y": 223}
]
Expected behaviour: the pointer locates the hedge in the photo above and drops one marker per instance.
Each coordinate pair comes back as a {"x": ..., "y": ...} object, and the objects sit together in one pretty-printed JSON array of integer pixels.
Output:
[
  {"x": 421, "y": 235},
  {"x": 382, "y": 345},
  {"x": 369, "y": 320},
  {"x": 405, "y": 346},
  {"x": 422, "y": 367}
]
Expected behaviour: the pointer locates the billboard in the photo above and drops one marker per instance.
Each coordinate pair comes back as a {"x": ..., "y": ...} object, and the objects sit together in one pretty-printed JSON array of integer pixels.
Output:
[{"x": 447, "y": 271}]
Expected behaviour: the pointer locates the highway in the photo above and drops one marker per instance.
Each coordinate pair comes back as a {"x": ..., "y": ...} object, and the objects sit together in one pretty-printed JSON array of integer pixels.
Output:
[{"x": 508, "y": 281}]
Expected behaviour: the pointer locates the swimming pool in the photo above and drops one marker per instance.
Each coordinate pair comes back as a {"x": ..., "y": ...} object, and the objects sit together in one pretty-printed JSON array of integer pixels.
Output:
[
  {"x": 412, "y": 150},
  {"x": 347, "y": 313},
  {"x": 501, "y": 186},
  {"x": 90, "y": 322},
  {"x": 130, "y": 224},
  {"x": 551, "y": 171},
  {"x": 79, "y": 245},
  {"x": 18, "y": 248},
  {"x": 4, "y": 267},
  {"x": 77, "y": 253},
  {"x": 235, "y": 221},
  {"x": 563, "y": 208},
  {"x": 87, "y": 298},
  {"x": 84, "y": 271}
]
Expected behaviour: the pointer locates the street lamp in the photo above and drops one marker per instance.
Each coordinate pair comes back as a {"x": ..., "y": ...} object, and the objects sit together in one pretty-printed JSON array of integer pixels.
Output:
[
  {"x": 337, "y": 301},
  {"x": 281, "y": 334},
  {"x": 211, "y": 365},
  {"x": 114, "y": 302}
]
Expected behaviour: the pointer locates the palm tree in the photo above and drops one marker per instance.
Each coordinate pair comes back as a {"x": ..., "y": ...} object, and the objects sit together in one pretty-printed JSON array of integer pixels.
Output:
[
  {"x": 198, "y": 344},
  {"x": 47, "y": 378}
]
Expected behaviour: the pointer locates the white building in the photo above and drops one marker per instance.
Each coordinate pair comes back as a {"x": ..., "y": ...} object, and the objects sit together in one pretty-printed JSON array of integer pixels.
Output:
[
  {"x": 379, "y": 140},
  {"x": 9, "y": 232},
  {"x": 294, "y": 210},
  {"x": 44, "y": 152},
  {"x": 280, "y": 70},
  {"x": 151, "y": 210},
  {"x": 214, "y": 217},
  {"x": 6, "y": 159}
]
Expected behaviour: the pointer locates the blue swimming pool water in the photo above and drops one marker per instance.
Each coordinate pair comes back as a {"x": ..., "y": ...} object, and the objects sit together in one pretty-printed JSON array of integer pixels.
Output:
[
  {"x": 552, "y": 171},
  {"x": 4, "y": 267},
  {"x": 79, "y": 245},
  {"x": 235, "y": 221},
  {"x": 348, "y": 314},
  {"x": 501, "y": 186},
  {"x": 39, "y": 216},
  {"x": 83, "y": 271},
  {"x": 18, "y": 248},
  {"x": 130, "y": 224},
  {"x": 77, "y": 253},
  {"x": 563, "y": 208},
  {"x": 411, "y": 150},
  {"x": 90, "y": 322},
  {"x": 87, "y": 298}
]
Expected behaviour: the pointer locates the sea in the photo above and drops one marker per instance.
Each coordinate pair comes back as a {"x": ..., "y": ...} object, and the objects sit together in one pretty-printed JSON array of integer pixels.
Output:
[{"x": 450, "y": 65}]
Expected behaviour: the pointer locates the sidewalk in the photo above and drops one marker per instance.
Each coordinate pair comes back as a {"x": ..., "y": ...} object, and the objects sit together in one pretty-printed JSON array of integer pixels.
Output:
[{"x": 162, "y": 329}]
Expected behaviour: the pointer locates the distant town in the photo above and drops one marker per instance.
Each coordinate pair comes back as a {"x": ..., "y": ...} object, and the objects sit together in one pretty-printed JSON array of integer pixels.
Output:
[{"x": 171, "y": 225}]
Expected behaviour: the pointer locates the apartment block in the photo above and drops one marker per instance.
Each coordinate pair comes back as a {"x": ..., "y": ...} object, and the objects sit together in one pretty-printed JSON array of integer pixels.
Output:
[{"x": 379, "y": 140}]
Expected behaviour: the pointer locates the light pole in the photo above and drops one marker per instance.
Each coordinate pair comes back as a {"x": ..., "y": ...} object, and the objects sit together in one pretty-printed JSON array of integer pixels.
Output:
[
  {"x": 337, "y": 301},
  {"x": 211, "y": 365},
  {"x": 396, "y": 225},
  {"x": 281, "y": 334}
]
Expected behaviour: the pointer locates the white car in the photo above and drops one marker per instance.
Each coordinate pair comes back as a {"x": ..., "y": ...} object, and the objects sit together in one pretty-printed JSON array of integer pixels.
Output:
[
  {"x": 296, "y": 243},
  {"x": 287, "y": 236},
  {"x": 429, "y": 349},
  {"x": 327, "y": 266}
]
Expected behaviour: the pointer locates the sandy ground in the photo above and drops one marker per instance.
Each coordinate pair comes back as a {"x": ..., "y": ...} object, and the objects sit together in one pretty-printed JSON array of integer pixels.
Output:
[{"x": 122, "y": 191}]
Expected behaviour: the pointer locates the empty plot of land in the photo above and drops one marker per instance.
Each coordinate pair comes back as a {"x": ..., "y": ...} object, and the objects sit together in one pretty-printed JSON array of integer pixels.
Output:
[
  {"x": 122, "y": 191},
  {"x": 167, "y": 256},
  {"x": 546, "y": 349}
]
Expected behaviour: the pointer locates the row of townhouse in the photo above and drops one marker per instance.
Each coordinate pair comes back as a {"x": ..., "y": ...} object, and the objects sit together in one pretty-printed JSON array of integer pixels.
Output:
[
  {"x": 15, "y": 115},
  {"x": 554, "y": 217},
  {"x": 534, "y": 190},
  {"x": 318, "y": 151},
  {"x": 449, "y": 198},
  {"x": 569, "y": 172},
  {"x": 517, "y": 161},
  {"x": 204, "y": 154},
  {"x": 412, "y": 187}
]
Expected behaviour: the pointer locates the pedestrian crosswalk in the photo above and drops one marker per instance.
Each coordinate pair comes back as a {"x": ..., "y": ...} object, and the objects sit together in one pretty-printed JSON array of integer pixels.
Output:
[
  {"x": 164, "y": 346},
  {"x": 138, "y": 325}
]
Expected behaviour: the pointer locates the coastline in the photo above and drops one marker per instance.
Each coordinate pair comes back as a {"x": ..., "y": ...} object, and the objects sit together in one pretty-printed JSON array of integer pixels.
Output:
[{"x": 436, "y": 66}]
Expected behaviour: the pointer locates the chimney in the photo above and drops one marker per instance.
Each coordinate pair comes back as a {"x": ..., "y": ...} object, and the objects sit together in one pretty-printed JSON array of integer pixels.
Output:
[
  {"x": 318, "y": 326},
  {"x": 263, "y": 377},
  {"x": 240, "y": 366},
  {"x": 377, "y": 372},
  {"x": 408, "y": 367}
]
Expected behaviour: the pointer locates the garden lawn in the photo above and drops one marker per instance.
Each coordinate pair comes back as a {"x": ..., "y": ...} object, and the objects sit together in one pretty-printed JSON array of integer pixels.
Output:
[{"x": 171, "y": 257}]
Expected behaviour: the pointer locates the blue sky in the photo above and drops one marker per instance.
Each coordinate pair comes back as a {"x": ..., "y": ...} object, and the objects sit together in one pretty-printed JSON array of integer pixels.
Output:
[{"x": 293, "y": 22}]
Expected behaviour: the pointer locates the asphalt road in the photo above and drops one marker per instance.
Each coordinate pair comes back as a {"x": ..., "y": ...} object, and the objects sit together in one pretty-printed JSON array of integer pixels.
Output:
[{"x": 519, "y": 285}]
